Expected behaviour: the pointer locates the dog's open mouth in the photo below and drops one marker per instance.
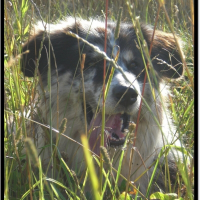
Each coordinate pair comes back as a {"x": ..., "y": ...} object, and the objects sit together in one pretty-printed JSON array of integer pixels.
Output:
[{"x": 116, "y": 128}]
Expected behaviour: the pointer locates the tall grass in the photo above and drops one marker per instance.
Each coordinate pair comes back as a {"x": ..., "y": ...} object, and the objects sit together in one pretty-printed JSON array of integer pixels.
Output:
[{"x": 22, "y": 179}]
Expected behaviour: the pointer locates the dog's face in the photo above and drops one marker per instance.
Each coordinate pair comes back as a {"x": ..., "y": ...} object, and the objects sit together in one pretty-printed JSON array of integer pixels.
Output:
[{"x": 124, "y": 95}]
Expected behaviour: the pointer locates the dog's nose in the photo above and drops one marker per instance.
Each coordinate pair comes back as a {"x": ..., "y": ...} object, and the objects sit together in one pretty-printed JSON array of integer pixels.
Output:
[{"x": 127, "y": 96}]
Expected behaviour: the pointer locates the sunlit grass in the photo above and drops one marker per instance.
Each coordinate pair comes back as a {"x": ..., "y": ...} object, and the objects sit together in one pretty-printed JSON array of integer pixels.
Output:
[{"x": 22, "y": 180}]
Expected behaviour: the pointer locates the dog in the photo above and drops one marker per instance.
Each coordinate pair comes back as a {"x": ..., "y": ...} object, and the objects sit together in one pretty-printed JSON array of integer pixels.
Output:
[{"x": 54, "y": 53}]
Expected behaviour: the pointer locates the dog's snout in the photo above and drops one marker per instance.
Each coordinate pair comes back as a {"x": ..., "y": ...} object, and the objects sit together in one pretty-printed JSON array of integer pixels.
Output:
[{"x": 126, "y": 96}]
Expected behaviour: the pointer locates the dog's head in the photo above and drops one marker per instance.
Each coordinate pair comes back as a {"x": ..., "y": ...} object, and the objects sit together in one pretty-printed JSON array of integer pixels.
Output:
[{"x": 124, "y": 95}]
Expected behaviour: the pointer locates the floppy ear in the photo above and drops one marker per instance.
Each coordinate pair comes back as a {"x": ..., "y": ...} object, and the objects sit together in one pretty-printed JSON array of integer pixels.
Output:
[
  {"x": 165, "y": 56},
  {"x": 29, "y": 59},
  {"x": 60, "y": 49},
  {"x": 30, "y": 55}
]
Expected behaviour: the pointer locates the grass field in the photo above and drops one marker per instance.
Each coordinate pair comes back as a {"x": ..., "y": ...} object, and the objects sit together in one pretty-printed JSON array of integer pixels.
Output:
[{"x": 25, "y": 181}]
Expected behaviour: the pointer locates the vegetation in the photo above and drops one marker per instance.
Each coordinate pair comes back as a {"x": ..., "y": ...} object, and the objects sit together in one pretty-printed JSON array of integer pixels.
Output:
[{"x": 22, "y": 180}]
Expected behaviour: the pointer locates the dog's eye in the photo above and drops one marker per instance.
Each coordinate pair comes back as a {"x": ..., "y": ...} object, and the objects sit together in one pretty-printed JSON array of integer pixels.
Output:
[{"x": 133, "y": 65}]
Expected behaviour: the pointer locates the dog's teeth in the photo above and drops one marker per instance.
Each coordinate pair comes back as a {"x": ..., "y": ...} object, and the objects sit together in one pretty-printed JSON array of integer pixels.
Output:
[
  {"x": 124, "y": 148},
  {"x": 107, "y": 133},
  {"x": 126, "y": 130},
  {"x": 121, "y": 124}
]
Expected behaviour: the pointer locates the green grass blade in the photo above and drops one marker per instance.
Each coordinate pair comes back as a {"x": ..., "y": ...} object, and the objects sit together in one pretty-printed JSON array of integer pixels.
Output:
[
  {"x": 189, "y": 108},
  {"x": 91, "y": 168},
  {"x": 41, "y": 181}
]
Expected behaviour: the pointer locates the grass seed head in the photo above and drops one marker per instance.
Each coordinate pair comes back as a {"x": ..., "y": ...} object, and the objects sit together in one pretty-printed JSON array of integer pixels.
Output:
[
  {"x": 63, "y": 126},
  {"x": 74, "y": 177},
  {"x": 106, "y": 157},
  {"x": 19, "y": 134},
  {"x": 31, "y": 151}
]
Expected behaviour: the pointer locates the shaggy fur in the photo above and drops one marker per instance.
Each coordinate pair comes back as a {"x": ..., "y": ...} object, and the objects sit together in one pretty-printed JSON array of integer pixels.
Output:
[{"x": 123, "y": 99}]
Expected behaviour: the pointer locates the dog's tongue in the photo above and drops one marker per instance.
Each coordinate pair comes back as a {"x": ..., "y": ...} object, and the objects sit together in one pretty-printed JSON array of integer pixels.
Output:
[{"x": 112, "y": 129}]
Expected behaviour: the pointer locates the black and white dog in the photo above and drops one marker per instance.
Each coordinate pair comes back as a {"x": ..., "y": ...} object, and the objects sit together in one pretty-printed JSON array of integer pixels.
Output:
[{"x": 155, "y": 128}]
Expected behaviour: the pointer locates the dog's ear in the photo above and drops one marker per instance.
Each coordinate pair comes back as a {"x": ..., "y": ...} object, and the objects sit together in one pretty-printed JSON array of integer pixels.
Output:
[
  {"x": 165, "y": 55},
  {"x": 61, "y": 52},
  {"x": 31, "y": 50},
  {"x": 37, "y": 44}
]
